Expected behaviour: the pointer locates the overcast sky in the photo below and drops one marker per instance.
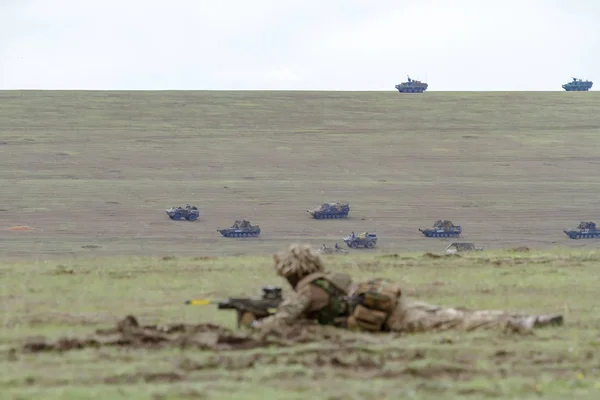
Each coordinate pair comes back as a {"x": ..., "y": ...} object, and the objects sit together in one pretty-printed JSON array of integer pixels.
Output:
[{"x": 297, "y": 44}]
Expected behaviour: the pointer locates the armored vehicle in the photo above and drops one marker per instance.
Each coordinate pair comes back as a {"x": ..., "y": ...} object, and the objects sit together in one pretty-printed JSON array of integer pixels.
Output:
[
  {"x": 412, "y": 86},
  {"x": 365, "y": 239},
  {"x": 577, "y": 85},
  {"x": 585, "y": 230},
  {"x": 331, "y": 250},
  {"x": 442, "y": 228},
  {"x": 241, "y": 228},
  {"x": 189, "y": 212},
  {"x": 460, "y": 247},
  {"x": 330, "y": 210}
]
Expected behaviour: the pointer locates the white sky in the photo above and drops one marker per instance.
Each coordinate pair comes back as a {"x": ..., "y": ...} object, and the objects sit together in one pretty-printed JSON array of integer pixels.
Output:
[{"x": 297, "y": 45}]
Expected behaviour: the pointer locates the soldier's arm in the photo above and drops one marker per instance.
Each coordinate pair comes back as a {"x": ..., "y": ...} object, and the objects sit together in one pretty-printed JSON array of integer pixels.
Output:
[{"x": 289, "y": 311}]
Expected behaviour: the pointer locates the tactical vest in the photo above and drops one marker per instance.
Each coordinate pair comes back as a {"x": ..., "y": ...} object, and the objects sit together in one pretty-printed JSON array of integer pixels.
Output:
[{"x": 336, "y": 286}]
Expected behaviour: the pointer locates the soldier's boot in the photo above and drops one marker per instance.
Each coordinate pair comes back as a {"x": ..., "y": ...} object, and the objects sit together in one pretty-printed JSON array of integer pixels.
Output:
[
  {"x": 529, "y": 322},
  {"x": 548, "y": 320}
]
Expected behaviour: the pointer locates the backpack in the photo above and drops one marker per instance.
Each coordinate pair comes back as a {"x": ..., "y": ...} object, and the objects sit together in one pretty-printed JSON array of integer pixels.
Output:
[{"x": 375, "y": 300}]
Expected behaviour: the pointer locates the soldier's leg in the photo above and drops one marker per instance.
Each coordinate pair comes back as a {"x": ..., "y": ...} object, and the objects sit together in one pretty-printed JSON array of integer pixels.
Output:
[{"x": 415, "y": 316}]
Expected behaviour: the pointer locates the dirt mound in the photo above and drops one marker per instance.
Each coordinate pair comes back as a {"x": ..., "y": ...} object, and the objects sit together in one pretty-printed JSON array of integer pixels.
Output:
[
  {"x": 20, "y": 228},
  {"x": 129, "y": 333},
  {"x": 356, "y": 359},
  {"x": 432, "y": 255},
  {"x": 435, "y": 256},
  {"x": 521, "y": 249}
]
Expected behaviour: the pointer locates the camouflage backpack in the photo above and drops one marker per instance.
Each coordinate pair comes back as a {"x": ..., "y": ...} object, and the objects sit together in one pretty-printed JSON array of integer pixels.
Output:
[{"x": 377, "y": 299}]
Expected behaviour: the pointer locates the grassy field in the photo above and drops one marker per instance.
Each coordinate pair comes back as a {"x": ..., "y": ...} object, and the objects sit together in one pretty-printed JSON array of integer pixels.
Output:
[
  {"x": 74, "y": 299},
  {"x": 92, "y": 173},
  {"x": 85, "y": 241}
]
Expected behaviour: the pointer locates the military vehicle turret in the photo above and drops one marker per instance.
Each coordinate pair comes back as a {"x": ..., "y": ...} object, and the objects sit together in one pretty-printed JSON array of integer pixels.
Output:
[
  {"x": 241, "y": 228},
  {"x": 190, "y": 213},
  {"x": 442, "y": 228},
  {"x": 365, "y": 239},
  {"x": 330, "y": 210},
  {"x": 412, "y": 86},
  {"x": 577, "y": 85},
  {"x": 585, "y": 230}
]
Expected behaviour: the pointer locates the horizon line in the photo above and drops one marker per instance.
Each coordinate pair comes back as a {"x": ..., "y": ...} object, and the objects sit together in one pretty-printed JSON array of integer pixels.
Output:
[{"x": 283, "y": 90}]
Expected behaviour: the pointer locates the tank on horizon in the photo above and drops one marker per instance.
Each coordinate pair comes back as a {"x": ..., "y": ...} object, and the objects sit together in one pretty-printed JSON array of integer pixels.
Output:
[
  {"x": 578, "y": 85},
  {"x": 412, "y": 86}
]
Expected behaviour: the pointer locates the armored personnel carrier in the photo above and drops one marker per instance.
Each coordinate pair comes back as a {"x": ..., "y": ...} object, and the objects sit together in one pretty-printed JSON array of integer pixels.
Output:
[
  {"x": 585, "y": 230},
  {"x": 190, "y": 213},
  {"x": 577, "y": 85},
  {"x": 442, "y": 228},
  {"x": 241, "y": 228},
  {"x": 330, "y": 210},
  {"x": 412, "y": 86},
  {"x": 365, "y": 239}
]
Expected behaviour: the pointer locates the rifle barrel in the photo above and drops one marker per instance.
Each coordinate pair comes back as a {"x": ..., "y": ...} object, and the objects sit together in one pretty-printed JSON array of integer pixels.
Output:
[{"x": 199, "y": 302}]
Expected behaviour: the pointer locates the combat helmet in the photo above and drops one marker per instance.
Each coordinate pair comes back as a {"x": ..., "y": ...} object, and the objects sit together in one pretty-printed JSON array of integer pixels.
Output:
[{"x": 297, "y": 260}]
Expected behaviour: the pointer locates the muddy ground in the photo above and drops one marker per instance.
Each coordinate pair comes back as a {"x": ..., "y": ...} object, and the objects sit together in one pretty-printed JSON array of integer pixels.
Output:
[
  {"x": 308, "y": 356},
  {"x": 130, "y": 333},
  {"x": 92, "y": 173}
]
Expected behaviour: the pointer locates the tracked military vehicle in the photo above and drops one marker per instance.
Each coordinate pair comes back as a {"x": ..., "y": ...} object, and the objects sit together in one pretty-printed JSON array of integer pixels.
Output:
[
  {"x": 330, "y": 210},
  {"x": 365, "y": 239},
  {"x": 241, "y": 228},
  {"x": 412, "y": 86},
  {"x": 190, "y": 213},
  {"x": 585, "y": 230},
  {"x": 442, "y": 228},
  {"x": 577, "y": 85}
]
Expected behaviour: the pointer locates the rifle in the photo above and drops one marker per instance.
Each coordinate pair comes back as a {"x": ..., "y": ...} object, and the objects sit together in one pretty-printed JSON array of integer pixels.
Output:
[{"x": 261, "y": 308}]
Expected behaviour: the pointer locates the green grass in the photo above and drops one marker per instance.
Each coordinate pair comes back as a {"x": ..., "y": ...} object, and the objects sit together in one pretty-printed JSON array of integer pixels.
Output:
[{"x": 73, "y": 298}]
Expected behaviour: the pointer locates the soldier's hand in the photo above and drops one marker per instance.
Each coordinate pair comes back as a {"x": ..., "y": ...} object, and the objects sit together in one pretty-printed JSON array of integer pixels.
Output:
[{"x": 247, "y": 319}]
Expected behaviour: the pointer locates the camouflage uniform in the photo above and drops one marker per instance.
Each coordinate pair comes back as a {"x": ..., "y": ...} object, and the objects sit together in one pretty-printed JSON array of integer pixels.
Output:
[
  {"x": 318, "y": 296},
  {"x": 413, "y": 316}
]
